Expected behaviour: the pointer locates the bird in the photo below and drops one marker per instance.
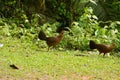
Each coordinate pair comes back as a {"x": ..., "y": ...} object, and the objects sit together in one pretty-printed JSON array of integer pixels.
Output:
[
  {"x": 51, "y": 41},
  {"x": 102, "y": 48}
]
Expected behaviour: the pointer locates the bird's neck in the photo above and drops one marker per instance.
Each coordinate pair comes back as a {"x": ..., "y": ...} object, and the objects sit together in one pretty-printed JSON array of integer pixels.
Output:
[{"x": 60, "y": 35}]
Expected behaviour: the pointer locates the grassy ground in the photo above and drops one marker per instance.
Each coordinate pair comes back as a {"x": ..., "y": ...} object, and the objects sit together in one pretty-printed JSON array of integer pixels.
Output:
[{"x": 37, "y": 64}]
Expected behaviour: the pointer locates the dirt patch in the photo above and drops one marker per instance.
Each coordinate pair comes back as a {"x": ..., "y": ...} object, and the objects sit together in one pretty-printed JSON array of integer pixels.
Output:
[
  {"x": 75, "y": 77},
  {"x": 86, "y": 77}
]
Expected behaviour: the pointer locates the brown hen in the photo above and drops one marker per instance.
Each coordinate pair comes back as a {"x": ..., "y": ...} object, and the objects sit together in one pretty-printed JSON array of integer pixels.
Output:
[
  {"x": 51, "y": 41},
  {"x": 102, "y": 48}
]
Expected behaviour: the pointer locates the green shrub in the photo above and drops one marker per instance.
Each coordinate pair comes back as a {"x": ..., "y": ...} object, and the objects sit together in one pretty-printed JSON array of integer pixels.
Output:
[
  {"x": 88, "y": 28},
  {"x": 77, "y": 38}
]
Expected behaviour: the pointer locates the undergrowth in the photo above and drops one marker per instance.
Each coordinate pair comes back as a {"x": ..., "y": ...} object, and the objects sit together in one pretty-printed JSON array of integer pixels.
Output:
[{"x": 76, "y": 38}]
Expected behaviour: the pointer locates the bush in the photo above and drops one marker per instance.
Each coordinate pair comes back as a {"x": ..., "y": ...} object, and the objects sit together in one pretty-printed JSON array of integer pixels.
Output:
[
  {"x": 88, "y": 28},
  {"x": 77, "y": 38}
]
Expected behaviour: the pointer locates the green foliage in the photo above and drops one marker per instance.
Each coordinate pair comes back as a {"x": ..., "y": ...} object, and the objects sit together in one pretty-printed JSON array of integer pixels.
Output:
[
  {"x": 88, "y": 28},
  {"x": 107, "y": 10},
  {"x": 19, "y": 34},
  {"x": 77, "y": 38}
]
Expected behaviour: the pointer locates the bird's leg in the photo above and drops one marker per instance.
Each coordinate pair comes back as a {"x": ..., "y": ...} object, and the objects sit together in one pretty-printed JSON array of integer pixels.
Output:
[
  {"x": 54, "y": 48},
  {"x": 48, "y": 48},
  {"x": 99, "y": 53},
  {"x": 104, "y": 55}
]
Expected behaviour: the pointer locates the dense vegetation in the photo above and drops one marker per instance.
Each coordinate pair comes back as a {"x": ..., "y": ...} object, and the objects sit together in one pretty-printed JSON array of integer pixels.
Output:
[
  {"x": 83, "y": 20},
  {"x": 24, "y": 19}
]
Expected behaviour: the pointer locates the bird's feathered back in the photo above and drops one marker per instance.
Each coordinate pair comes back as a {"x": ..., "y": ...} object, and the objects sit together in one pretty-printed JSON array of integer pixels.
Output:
[
  {"x": 51, "y": 41},
  {"x": 102, "y": 48},
  {"x": 42, "y": 35},
  {"x": 92, "y": 44}
]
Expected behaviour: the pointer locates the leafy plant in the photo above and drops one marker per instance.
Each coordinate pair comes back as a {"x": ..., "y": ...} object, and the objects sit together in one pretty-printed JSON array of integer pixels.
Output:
[{"x": 88, "y": 28}]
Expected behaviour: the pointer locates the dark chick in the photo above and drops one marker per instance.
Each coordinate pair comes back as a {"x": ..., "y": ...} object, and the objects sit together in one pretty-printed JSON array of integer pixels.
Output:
[
  {"x": 102, "y": 48},
  {"x": 51, "y": 41}
]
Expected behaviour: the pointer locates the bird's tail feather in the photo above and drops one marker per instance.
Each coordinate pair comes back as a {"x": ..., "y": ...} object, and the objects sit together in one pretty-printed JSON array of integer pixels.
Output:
[
  {"x": 42, "y": 35},
  {"x": 92, "y": 44}
]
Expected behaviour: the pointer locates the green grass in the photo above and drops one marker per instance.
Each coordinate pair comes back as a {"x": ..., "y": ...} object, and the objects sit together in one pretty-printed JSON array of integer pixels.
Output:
[{"x": 37, "y": 64}]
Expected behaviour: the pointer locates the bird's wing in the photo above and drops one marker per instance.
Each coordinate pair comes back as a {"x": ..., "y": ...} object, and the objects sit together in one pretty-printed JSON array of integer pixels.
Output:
[{"x": 51, "y": 39}]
